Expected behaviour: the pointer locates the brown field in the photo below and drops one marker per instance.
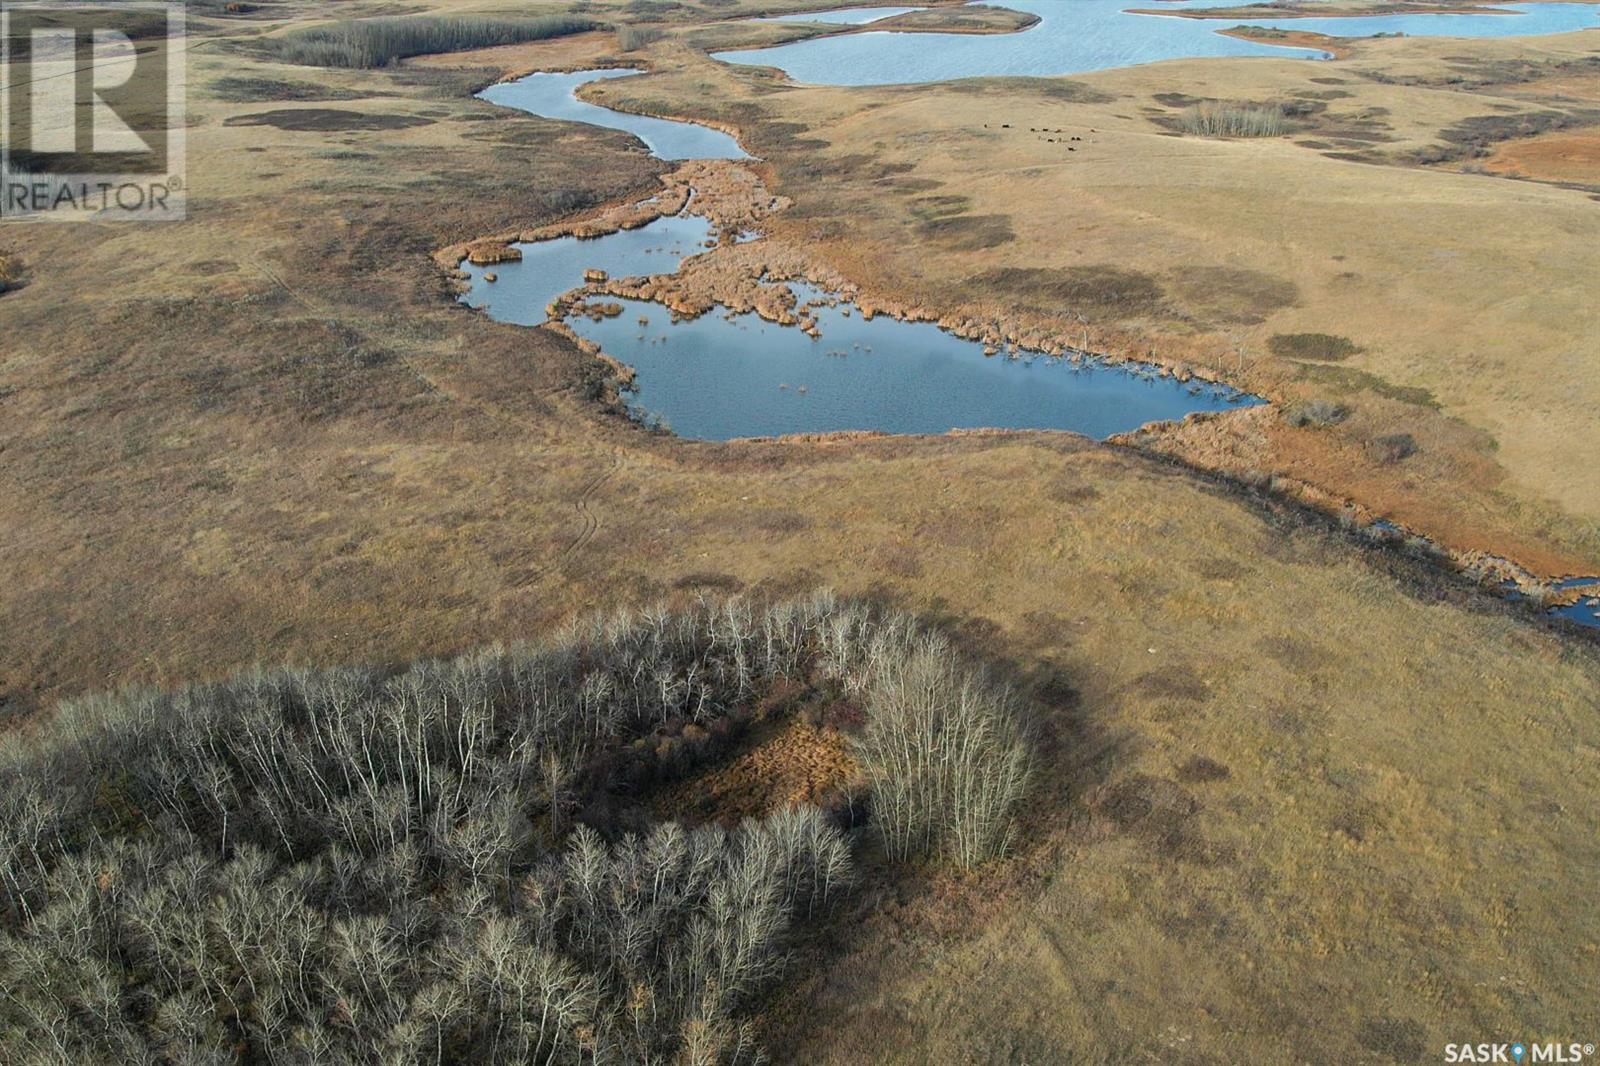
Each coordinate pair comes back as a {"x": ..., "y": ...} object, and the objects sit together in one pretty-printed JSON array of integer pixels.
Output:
[
  {"x": 1302, "y": 800},
  {"x": 1558, "y": 157}
]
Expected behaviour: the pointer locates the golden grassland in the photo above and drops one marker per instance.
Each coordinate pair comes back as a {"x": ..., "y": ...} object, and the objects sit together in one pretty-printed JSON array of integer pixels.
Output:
[{"x": 1301, "y": 801}]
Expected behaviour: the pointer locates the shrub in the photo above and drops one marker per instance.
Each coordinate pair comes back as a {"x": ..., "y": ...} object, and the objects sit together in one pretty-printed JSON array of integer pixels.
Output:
[
  {"x": 1393, "y": 447},
  {"x": 10, "y": 273},
  {"x": 377, "y": 42},
  {"x": 633, "y": 38},
  {"x": 1217, "y": 119},
  {"x": 1316, "y": 413},
  {"x": 392, "y": 865}
]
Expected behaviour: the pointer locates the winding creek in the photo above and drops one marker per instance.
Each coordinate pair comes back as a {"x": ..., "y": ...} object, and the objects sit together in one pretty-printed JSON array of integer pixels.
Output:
[
  {"x": 723, "y": 376},
  {"x": 554, "y": 96}
]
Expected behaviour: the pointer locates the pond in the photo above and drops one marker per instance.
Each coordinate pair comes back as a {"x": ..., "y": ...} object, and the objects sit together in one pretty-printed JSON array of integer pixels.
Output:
[
  {"x": 719, "y": 377},
  {"x": 552, "y": 96},
  {"x": 1085, "y": 35},
  {"x": 523, "y": 290}
]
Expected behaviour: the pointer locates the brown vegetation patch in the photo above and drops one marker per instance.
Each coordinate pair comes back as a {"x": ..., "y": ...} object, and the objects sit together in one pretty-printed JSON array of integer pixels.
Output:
[
  {"x": 1061, "y": 90},
  {"x": 10, "y": 273},
  {"x": 327, "y": 120},
  {"x": 1561, "y": 157},
  {"x": 1392, "y": 447},
  {"x": 1322, "y": 347},
  {"x": 1301, "y": 656},
  {"x": 709, "y": 580},
  {"x": 1397, "y": 1039},
  {"x": 972, "y": 18},
  {"x": 969, "y": 233},
  {"x": 1101, "y": 290},
  {"x": 1474, "y": 137},
  {"x": 1198, "y": 769},
  {"x": 1159, "y": 811},
  {"x": 251, "y": 89},
  {"x": 1143, "y": 802},
  {"x": 1233, "y": 295},
  {"x": 784, "y": 763},
  {"x": 1337, "y": 47},
  {"x": 1178, "y": 681}
]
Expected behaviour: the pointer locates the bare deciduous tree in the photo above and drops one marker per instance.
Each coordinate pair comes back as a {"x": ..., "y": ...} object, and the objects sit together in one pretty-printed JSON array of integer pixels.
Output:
[{"x": 363, "y": 865}]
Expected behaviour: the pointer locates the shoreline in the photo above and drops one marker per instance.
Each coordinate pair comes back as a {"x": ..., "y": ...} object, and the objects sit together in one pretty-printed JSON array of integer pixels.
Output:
[
  {"x": 1333, "y": 48},
  {"x": 729, "y": 275},
  {"x": 734, "y": 276}
]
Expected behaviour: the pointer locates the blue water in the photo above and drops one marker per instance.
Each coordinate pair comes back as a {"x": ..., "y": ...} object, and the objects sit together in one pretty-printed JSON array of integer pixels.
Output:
[
  {"x": 1531, "y": 20},
  {"x": 718, "y": 377},
  {"x": 549, "y": 268},
  {"x": 551, "y": 96},
  {"x": 1585, "y": 612},
  {"x": 1075, "y": 36},
  {"x": 853, "y": 16}
]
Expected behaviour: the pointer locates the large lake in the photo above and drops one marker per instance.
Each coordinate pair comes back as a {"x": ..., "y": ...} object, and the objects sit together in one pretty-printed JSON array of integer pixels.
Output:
[{"x": 1075, "y": 36}]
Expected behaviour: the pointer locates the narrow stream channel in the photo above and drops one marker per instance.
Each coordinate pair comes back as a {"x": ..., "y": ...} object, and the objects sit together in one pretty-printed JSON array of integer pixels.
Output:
[{"x": 553, "y": 96}]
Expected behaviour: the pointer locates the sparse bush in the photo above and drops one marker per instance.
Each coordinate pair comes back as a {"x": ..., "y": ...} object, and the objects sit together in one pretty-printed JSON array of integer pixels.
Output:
[
  {"x": 1315, "y": 414},
  {"x": 377, "y": 42},
  {"x": 1393, "y": 447},
  {"x": 361, "y": 865},
  {"x": 633, "y": 38},
  {"x": 1214, "y": 118},
  {"x": 10, "y": 273}
]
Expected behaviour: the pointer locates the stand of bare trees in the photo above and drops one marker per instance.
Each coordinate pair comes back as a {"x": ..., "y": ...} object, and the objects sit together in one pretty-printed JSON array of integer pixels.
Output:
[
  {"x": 945, "y": 752},
  {"x": 388, "y": 866}
]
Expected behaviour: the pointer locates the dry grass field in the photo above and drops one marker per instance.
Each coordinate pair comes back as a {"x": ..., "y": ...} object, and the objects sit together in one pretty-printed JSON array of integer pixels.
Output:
[{"x": 1301, "y": 800}]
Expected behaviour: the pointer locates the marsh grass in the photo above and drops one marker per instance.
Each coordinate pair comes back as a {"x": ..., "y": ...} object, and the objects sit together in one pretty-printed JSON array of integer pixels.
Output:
[
  {"x": 378, "y": 42},
  {"x": 633, "y": 38}
]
